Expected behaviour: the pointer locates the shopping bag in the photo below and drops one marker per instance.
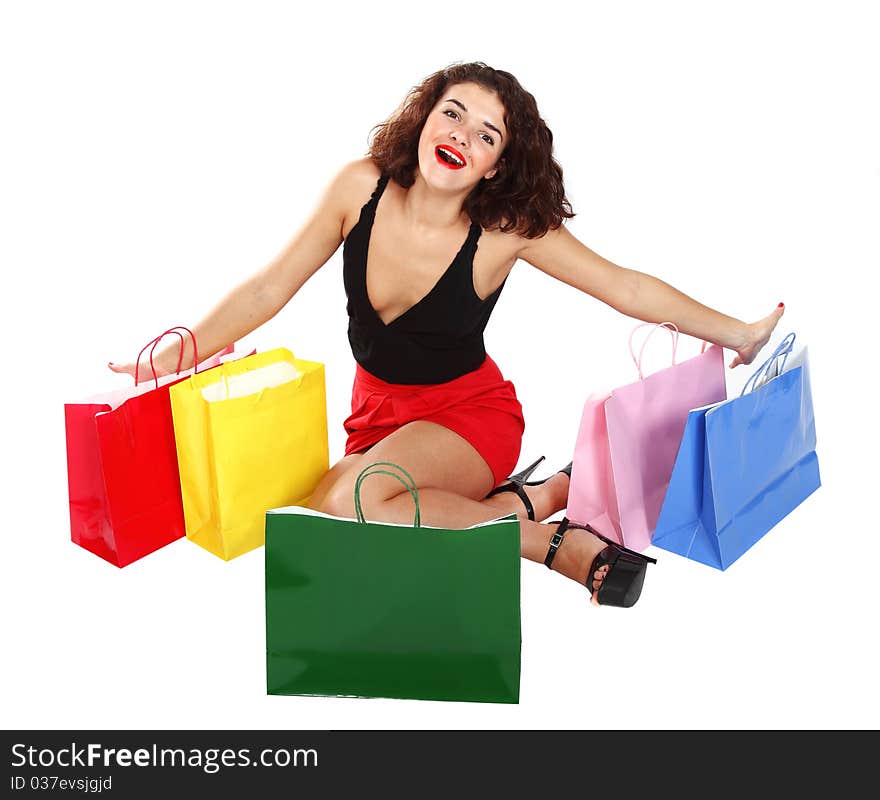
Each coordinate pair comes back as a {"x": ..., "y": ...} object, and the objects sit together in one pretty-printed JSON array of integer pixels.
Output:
[
  {"x": 628, "y": 439},
  {"x": 367, "y": 609},
  {"x": 743, "y": 465},
  {"x": 123, "y": 482},
  {"x": 251, "y": 435}
]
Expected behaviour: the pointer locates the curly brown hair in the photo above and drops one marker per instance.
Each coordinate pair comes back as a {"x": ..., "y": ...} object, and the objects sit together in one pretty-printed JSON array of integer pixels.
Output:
[{"x": 526, "y": 195}]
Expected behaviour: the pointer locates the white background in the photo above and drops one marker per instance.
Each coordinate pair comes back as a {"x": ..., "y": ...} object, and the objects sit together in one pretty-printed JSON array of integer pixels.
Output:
[{"x": 155, "y": 154}]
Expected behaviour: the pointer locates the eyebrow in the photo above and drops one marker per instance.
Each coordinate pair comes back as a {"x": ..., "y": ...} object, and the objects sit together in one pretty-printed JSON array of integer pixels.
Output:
[{"x": 489, "y": 125}]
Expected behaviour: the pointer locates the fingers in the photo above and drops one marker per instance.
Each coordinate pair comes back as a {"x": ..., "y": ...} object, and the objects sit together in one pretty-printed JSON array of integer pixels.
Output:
[
  {"x": 769, "y": 322},
  {"x": 772, "y": 319},
  {"x": 122, "y": 369}
]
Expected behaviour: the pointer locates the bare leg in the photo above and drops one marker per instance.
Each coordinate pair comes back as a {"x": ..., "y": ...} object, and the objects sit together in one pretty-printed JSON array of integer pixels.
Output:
[{"x": 453, "y": 480}]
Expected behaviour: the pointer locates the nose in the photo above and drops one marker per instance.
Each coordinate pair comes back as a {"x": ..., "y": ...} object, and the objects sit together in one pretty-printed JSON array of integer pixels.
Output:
[{"x": 458, "y": 137}]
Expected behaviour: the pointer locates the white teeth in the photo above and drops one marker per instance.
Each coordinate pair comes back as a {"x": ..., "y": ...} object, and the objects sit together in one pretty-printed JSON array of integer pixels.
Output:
[{"x": 452, "y": 157}]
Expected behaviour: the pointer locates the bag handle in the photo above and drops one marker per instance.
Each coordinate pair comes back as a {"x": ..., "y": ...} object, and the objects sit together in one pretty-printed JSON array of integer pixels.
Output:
[
  {"x": 370, "y": 470},
  {"x": 176, "y": 329},
  {"x": 137, "y": 364},
  {"x": 782, "y": 351},
  {"x": 670, "y": 326},
  {"x": 673, "y": 330}
]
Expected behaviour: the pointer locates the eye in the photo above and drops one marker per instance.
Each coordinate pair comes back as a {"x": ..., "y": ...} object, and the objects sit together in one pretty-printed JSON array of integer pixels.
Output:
[
  {"x": 450, "y": 112},
  {"x": 487, "y": 139}
]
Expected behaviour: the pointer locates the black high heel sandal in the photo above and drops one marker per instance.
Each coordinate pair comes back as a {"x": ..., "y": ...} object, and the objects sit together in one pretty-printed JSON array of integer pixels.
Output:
[
  {"x": 520, "y": 480},
  {"x": 622, "y": 584}
]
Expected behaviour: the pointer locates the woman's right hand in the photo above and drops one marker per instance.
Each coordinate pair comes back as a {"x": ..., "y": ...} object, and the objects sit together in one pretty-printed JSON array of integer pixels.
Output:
[
  {"x": 165, "y": 361},
  {"x": 145, "y": 371},
  {"x": 123, "y": 369}
]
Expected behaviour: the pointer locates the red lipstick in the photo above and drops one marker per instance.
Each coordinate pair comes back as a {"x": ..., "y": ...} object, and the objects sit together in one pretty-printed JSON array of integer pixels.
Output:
[{"x": 449, "y": 157}]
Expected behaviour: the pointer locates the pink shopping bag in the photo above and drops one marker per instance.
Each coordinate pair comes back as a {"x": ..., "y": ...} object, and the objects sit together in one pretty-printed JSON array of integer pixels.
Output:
[{"x": 628, "y": 440}]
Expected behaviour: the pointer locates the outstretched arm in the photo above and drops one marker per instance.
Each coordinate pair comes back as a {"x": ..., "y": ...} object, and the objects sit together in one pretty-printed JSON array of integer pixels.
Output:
[
  {"x": 261, "y": 296},
  {"x": 644, "y": 297}
]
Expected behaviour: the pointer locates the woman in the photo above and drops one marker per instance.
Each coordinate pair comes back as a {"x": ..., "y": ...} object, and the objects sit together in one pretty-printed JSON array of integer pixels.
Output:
[{"x": 463, "y": 170}]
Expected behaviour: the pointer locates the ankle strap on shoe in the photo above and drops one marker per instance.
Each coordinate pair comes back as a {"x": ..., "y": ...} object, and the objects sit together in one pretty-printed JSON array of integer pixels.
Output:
[
  {"x": 556, "y": 542},
  {"x": 530, "y": 509}
]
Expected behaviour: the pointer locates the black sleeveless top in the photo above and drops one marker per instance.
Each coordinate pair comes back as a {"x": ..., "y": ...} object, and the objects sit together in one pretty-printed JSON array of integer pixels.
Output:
[{"x": 438, "y": 339}]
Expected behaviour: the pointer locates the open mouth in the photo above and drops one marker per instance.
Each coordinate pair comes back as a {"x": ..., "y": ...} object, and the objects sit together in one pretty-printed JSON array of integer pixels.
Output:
[{"x": 449, "y": 157}]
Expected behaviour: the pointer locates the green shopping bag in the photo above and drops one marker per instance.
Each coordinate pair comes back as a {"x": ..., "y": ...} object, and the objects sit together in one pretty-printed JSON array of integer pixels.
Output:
[{"x": 367, "y": 609}]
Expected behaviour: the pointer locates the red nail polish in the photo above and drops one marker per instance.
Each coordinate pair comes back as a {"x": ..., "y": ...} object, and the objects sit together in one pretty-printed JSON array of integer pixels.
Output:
[{"x": 781, "y": 305}]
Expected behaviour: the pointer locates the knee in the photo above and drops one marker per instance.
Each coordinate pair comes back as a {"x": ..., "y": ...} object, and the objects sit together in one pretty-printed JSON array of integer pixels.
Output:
[{"x": 338, "y": 501}]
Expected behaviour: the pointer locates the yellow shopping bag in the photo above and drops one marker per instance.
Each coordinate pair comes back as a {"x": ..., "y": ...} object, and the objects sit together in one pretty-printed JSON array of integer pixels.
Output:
[{"x": 251, "y": 435}]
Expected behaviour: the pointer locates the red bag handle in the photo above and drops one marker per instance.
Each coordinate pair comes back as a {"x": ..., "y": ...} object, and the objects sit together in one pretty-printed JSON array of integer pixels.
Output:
[{"x": 176, "y": 329}]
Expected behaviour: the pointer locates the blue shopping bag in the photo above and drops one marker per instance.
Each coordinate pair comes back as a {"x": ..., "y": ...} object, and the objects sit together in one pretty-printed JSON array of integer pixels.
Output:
[{"x": 743, "y": 464}]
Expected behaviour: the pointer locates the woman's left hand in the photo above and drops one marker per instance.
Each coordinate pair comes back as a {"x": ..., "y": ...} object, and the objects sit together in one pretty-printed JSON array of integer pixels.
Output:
[{"x": 757, "y": 336}]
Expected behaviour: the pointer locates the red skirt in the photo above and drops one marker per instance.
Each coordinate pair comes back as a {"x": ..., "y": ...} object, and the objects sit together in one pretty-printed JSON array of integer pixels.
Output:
[{"x": 479, "y": 406}]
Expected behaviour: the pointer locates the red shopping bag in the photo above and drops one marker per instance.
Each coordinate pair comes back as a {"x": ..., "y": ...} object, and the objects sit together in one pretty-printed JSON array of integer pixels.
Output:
[{"x": 122, "y": 474}]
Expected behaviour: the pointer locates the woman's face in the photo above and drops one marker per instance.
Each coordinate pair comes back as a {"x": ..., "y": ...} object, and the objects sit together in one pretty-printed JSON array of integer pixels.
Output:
[{"x": 462, "y": 138}]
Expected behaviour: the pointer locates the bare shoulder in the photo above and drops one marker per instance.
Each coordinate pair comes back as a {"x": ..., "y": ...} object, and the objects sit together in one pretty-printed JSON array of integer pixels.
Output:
[
  {"x": 557, "y": 253},
  {"x": 501, "y": 247},
  {"x": 548, "y": 245},
  {"x": 496, "y": 255},
  {"x": 560, "y": 254},
  {"x": 350, "y": 188},
  {"x": 361, "y": 173},
  {"x": 514, "y": 245}
]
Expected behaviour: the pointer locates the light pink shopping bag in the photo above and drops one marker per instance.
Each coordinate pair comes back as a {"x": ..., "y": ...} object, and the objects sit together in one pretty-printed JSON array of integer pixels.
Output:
[{"x": 628, "y": 440}]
